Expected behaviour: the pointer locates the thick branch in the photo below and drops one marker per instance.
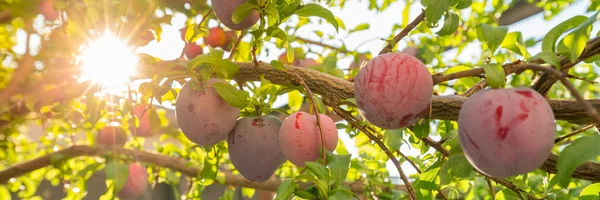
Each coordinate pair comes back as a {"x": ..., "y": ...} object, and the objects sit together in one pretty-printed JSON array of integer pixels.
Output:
[{"x": 173, "y": 163}]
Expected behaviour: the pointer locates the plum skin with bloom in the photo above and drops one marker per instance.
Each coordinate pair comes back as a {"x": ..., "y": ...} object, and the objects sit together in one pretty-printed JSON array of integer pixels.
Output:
[{"x": 506, "y": 132}]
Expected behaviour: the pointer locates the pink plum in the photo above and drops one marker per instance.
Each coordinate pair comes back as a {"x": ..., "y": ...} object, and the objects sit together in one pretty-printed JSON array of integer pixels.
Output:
[
  {"x": 137, "y": 182},
  {"x": 300, "y": 138}
]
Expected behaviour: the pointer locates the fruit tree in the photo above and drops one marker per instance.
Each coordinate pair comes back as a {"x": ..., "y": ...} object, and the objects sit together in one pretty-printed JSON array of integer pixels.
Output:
[{"x": 292, "y": 99}]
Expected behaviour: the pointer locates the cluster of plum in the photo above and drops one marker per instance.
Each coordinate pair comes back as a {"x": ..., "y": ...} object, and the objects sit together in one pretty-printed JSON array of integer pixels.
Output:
[
  {"x": 216, "y": 37},
  {"x": 503, "y": 132},
  {"x": 257, "y": 145}
]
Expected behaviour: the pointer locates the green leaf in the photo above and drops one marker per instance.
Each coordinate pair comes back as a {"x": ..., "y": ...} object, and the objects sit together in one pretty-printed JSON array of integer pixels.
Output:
[
  {"x": 306, "y": 193},
  {"x": 118, "y": 173},
  {"x": 467, "y": 81},
  {"x": 226, "y": 68},
  {"x": 549, "y": 41},
  {"x": 56, "y": 159},
  {"x": 456, "y": 166},
  {"x": 574, "y": 43},
  {"x": 209, "y": 170},
  {"x": 4, "y": 193},
  {"x": 581, "y": 150},
  {"x": 462, "y": 4},
  {"x": 492, "y": 36},
  {"x": 286, "y": 189},
  {"x": 277, "y": 65},
  {"x": 320, "y": 171},
  {"x": 340, "y": 194},
  {"x": 422, "y": 128},
  {"x": 360, "y": 27},
  {"x": 242, "y": 11},
  {"x": 88, "y": 168},
  {"x": 338, "y": 164},
  {"x": 514, "y": 43},
  {"x": 591, "y": 192},
  {"x": 548, "y": 57},
  {"x": 507, "y": 194},
  {"x": 295, "y": 100},
  {"x": 450, "y": 24},
  {"x": 495, "y": 75},
  {"x": 233, "y": 96},
  {"x": 317, "y": 10},
  {"x": 393, "y": 139},
  {"x": 435, "y": 10}
]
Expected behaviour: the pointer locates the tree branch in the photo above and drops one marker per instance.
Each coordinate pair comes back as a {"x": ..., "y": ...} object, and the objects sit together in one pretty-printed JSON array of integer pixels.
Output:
[
  {"x": 322, "y": 45},
  {"x": 388, "y": 48},
  {"x": 177, "y": 164}
]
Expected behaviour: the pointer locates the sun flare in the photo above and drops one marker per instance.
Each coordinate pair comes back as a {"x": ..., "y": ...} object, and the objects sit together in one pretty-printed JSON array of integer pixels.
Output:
[{"x": 108, "y": 61}]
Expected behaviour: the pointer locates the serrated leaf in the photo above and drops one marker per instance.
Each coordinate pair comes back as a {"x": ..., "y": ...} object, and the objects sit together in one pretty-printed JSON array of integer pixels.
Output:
[
  {"x": 591, "y": 192},
  {"x": 549, "y": 41},
  {"x": 118, "y": 173},
  {"x": 233, "y": 96},
  {"x": 393, "y": 139},
  {"x": 495, "y": 75},
  {"x": 295, "y": 100},
  {"x": 242, "y": 11},
  {"x": 579, "y": 151},
  {"x": 317, "y": 10},
  {"x": 548, "y": 57},
  {"x": 320, "y": 171},
  {"x": 338, "y": 165},
  {"x": 456, "y": 166},
  {"x": 285, "y": 189},
  {"x": 450, "y": 24},
  {"x": 492, "y": 36},
  {"x": 435, "y": 10}
]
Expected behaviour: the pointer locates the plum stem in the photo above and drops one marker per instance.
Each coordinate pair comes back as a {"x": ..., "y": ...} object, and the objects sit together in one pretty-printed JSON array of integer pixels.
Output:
[
  {"x": 237, "y": 42},
  {"x": 314, "y": 106},
  {"x": 585, "y": 128},
  {"x": 591, "y": 112},
  {"x": 353, "y": 121},
  {"x": 492, "y": 192},
  {"x": 388, "y": 48}
]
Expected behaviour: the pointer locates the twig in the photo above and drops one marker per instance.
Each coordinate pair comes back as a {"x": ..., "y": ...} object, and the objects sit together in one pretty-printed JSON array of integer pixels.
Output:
[
  {"x": 388, "y": 48},
  {"x": 205, "y": 17},
  {"x": 479, "y": 86},
  {"x": 585, "y": 128},
  {"x": 492, "y": 192},
  {"x": 314, "y": 106},
  {"x": 237, "y": 42},
  {"x": 409, "y": 161},
  {"x": 322, "y": 44},
  {"x": 591, "y": 112},
  {"x": 354, "y": 123},
  {"x": 580, "y": 78}
]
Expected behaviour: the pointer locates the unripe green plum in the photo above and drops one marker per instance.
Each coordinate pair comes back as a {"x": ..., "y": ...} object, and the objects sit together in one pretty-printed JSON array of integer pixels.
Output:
[
  {"x": 300, "y": 138},
  {"x": 203, "y": 116},
  {"x": 111, "y": 135},
  {"x": 506, "y": 132},
  {"x": 393, "y": 90},
  {"x": 47, "y": 10},
  {"x": 224, "y": 11},
  {"x": 144, "y": 128},
  {"x": 192, "y": 50},
  {"x": 254, "y": 147},
  {"x": 137, "y": 182}
]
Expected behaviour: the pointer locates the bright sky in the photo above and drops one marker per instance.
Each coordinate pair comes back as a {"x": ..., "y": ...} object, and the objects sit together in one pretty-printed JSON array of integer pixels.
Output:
[{"x": 353, "y": 14}]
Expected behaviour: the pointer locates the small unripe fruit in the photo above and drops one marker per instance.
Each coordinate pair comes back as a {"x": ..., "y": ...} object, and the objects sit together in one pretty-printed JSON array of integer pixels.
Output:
[
  {"x": 506, "y": 132},
  {"x": 137, "y": 182},
  {"x": 203, "y": 116},
  {"x": 224, "y": 11},
  {"x": 110, "y": 136},
  {"x": 144, "y": 128},
  {"x": 254, "y": 147},
  {"x": 192, "y": 50},
  {"x": 300, "y": 138},
  {"x": 393, "y": 90},
  {"x": 47, "y": 10}
]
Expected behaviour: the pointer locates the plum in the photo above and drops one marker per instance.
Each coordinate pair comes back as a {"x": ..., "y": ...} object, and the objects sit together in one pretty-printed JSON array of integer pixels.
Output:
[
  {"x": 216, "y": 37},
  {"x": 393, "y": 90},
  {"x": 506, "y": 132},
  {"x": 224, "y": 11},
  {"x": 300, "y": 138},
  {"x": 283, "y": 59},
  {"x": 137, "y": 182},
  {"x": 47, "y": 10},
  {"x": 144, "y": 128},
  {"x": 192, "y": 50},
  {"x": 203, "y": 116},
  {"x": 111, "y": 135},
  {"x": 254, "y": 147},
  {"x": 307, "y": 62}
]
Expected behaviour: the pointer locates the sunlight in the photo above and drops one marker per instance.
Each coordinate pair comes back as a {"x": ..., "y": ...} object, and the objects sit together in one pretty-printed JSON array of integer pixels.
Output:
[{"x": 108, "y": 61}]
